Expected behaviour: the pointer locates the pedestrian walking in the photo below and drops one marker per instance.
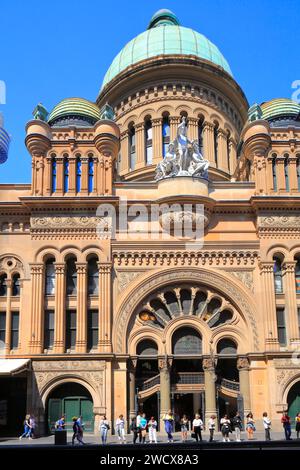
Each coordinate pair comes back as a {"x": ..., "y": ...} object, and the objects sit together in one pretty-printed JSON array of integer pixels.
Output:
[
  {"x": 297, "y": 425},
  {"x": 237, "y": 425},
  {"x": 197, "y": 427},
  {"x": 134, "y": 429},
  {"x": 27, "y": 428},
  {"x": 32, "y": 424},
  {"x": 184, "y": 426},
  {"x": 286, "y": 423},
  {"x": 104, "y": 428},
  {"x": 143, "y": 427},
  {"x": 76, "y": 431},
  {"x": 225, "y": 428},
  {"x": 80, "y": 428},
  {"x": 267, "y": 426},
  {"x": 61, "y": 423},
  {"x": 250, "y": 426},
  {"x": 120, "y": 428},
  {"x": 152, "y": 428},
  {"x": 211, "y": 427},
  {"x": 168, "y": 419}
]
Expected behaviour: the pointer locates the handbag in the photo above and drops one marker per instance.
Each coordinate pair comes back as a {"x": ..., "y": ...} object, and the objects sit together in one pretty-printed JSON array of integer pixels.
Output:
[{"x": 193, "y": 435}]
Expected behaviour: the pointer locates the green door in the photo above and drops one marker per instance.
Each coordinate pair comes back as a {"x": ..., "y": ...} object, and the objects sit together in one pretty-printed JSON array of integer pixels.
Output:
[
  {"x": 294, "y": 402},
  {"x": 86, "y": 411},
  {"x": 54, "y": 412},
  {"x": 71, "y": 408}
]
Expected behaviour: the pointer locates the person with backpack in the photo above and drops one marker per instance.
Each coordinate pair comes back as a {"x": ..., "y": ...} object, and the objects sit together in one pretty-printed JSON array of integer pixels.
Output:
[
  {"x": 286, "y": 423},
  {"x": 225, "y": 428},
  {"x": 152, "y": 428},
  {"x": 237, "y": 425},
  {"x": 267, "y": 426},
  {"x": 104, "y": 428},
  {"x": 120, "y": 428}
]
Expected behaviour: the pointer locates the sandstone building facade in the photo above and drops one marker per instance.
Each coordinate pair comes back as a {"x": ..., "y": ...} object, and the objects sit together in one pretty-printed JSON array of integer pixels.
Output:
[{"x": 93, "y": 321}]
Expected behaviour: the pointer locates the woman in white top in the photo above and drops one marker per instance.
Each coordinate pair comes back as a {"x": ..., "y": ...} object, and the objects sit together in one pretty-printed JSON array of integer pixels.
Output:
[
  {"x": 120, "y": 428},
  {"x": 211, "y": 427},
  {"x": 267, "y": 426},
  {"x": 225, "y": 428},
  {"x": 103, "y": 428},
  {"x": 197, "y": 427}
]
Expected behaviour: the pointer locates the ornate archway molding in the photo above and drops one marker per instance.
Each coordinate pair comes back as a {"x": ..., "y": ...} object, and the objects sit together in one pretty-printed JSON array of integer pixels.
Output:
[{"x": 221, "y": 281}]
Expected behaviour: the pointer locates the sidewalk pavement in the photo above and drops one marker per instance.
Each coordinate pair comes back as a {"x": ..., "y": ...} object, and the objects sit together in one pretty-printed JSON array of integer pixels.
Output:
[{"x": 161, "y": 437}]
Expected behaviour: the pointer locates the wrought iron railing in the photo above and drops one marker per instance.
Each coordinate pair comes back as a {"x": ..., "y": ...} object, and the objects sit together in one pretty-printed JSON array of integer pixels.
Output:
[
  {"x": 149, "y": 383},
  {"x": 188, "y": 378},
  {"x": 230, "y": 384}
]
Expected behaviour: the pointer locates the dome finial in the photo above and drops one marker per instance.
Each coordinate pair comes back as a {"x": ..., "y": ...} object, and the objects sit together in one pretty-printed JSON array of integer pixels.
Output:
[{"x": 163, "y": 17}]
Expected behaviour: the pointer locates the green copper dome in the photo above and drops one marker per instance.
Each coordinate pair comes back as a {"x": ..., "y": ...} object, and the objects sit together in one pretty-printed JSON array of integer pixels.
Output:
[
  {"x": 165, "y": 36},
  {"x": 280, "y": 107},
  {"x": 75, "y": 108}
]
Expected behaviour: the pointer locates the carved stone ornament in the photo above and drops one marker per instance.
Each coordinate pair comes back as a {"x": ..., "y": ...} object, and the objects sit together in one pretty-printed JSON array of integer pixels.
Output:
[
  {"x": 243, "y": 363},
  {"x": 208, "y": 363},
  {"x": 246, "y": 277},
  {"x": 183, "y": 158},
  {"x": 125, "y": 278}
]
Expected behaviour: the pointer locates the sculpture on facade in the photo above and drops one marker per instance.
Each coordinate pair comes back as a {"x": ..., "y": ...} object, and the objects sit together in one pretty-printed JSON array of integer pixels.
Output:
[{"x": 183, "y": 158}]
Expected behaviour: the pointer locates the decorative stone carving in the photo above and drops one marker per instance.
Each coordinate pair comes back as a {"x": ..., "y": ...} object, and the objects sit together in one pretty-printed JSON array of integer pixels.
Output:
[
  {"x": 243, "y": 363},
  {"x": 125, "y": 278},
  {"x": 165, "y": 363},
  {"x": 61, "y": 221},
  {"x": 279, "y": 221},
  {"x": 246, "y": 277},
  {"x": 180, "y": 218},
  {"x": 208, "y": 363},
  {"x": 183, "y": 158},
  {"x": 10, "y": 263}
]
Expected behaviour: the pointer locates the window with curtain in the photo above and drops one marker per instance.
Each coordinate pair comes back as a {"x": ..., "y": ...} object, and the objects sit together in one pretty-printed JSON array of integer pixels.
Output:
[
  {"x": 66, "y": 174},
  {"x": 132, "y": 148},
  {"x": 274, "y": 173},
  {"x": 286, "y": 173},
  {"x": 50, "y": 277},
  {"x": 3, "y": 287},
  {"x": 148, "y": 142},
  {"x": 93, "y": 276},
  {"x": 277, "y": 269},
  {"x": 49, "y": 329},
  {"x": 16, "y": 285},
  {"x": 92, "y": 329},
  {"x": 165, "y": 134},
  {"x": 297, "y": 276},
  {"x": 78, "y": 174},
  {"x": 2, "y": 329},
  {"x": 53, "y": 175},
  {"x": 71, "y": 283},
  {"x": 14, "y": 343},
  {"x": 70, "y": 329},
  {"x": 91, "y": 175},
  {"x": 281, "y": 327}
]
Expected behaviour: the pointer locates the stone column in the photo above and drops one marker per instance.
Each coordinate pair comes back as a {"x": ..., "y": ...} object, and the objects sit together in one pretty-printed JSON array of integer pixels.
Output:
[
  {"x": 48, "y": 176},
  {"x": 243, "y": 366},
  {"x": 124, "y": 164},
  {"x": 291, "y": 313},
  {"x": 37, "y": 308},
  {"x": 140, "y": 145},
  {"x": 269, "y": 305},
  {"x": 232, "y": 155},
  {"x": 269, "y": 174},
  {"x": 81, "y": 317},
  {"x": 164, "y": 366},
  {"x": 210, "y": 387},
  {"x": 95, "y": 182},
  {"x": 174, "y": 123},
  {"x": 84, "y": 175},
  {"x": 72, "y": 176},
  {"x": 60, "y": 313},
  {"x": 208, "y": 143},
  {"x": 193, "y": 128},
  {"x": 8, "y": 316},
  {"x": 157, "y": 140},
  {"x": 222, "y": 151},
  {"x": 132, "y": 390},
  {"x": 105, "y": 307}
]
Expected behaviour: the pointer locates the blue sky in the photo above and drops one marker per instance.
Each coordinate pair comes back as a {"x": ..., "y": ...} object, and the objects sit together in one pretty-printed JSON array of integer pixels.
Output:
[{"x": 53, "y": 50}]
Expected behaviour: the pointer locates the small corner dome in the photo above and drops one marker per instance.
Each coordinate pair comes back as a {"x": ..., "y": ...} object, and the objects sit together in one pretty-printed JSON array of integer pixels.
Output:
[
  {"x": 280, "y": 109},
  {"x": 74, "y": 111},
  {"x": 165, "y": 36}
]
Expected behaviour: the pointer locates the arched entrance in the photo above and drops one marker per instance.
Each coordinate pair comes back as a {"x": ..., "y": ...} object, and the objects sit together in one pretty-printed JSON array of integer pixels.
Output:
[
  {"x": 293, "y": 400},
  {"x": 70, "y": 399},
  {"x": 227, "y": 378},
  {"x": 146, "y": 375}
]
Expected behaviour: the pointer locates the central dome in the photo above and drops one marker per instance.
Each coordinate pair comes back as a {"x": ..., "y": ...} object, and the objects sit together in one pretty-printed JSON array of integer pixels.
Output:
[{"x": 165, "y": 36}]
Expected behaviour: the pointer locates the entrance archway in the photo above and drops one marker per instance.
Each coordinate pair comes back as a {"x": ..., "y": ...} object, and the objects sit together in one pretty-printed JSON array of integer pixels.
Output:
[
  {"x": 293, "y": 400},
  {"x": 70, "y": 399}
]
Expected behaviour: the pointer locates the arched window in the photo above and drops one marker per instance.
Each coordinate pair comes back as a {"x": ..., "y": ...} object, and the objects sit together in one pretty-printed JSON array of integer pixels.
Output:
[
  {"x": 200, "y": 134},
  {"x": 66, "y": 174},
  {"x": 226, "y": 347},
  {"x": 216, "y": 143},
  {"x": 297, "y": 275},
  {"x": 53, "y": 175},
  {"x": 298, "y": 172},
  {"x": 186, "y": 340},
  {"x": 277, "y": 269},
  {"x": 228, "y": 149},
  {"x": 16, "y": 285},
  {"x": 71, "y": 276},
  {"x": 78, "y": 174},
  {"x": 286, "y": 172},
  {"x": 3, "y": 287},
  {"x": 93, "y": 276},
  {"x": 147, "y": 347},
  {"x": 50, "y": 277},
  {"x": 165, "y": 135},
  {"x": 132, "y": 150},
  {"x": 274, "y": 172},
  {"x": 91, "y": 175},
  {"x": 148, "y": 142}
]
